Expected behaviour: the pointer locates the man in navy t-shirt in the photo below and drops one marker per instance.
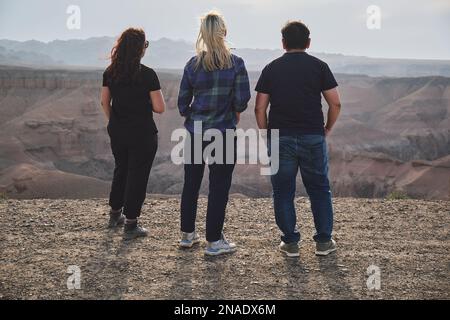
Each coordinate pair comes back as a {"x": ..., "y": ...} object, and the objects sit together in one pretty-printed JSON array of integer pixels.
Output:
[{"x": 293, "y": 85}]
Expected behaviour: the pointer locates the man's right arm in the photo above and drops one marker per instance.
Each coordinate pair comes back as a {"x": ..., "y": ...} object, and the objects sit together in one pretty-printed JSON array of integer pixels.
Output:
[
  {"x": 334, "y": 108},
  {"x": 262, "y": 103},
  {"x": 262, "y": 98}
]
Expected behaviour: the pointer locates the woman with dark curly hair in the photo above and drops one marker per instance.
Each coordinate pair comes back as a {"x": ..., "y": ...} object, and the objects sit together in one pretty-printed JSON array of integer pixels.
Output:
[{"x": 131, "y": 93}]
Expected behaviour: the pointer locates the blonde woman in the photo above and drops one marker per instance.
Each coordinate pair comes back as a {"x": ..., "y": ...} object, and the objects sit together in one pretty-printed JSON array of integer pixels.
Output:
[{"x": 214, "y": 90}]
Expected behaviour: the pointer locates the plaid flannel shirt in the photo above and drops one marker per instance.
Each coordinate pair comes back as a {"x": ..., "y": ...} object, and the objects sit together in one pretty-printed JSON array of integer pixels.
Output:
[{"x": 213, "y": 97}]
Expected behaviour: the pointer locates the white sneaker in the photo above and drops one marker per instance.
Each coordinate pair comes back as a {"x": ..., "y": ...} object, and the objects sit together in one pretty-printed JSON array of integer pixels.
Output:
[
  {"x": 189, "y": 239},
  {"x": 219, "y": 247}
]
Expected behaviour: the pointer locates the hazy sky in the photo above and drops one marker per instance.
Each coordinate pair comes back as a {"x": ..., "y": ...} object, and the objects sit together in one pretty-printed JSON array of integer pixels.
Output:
[{"x": 409, "y": 28}]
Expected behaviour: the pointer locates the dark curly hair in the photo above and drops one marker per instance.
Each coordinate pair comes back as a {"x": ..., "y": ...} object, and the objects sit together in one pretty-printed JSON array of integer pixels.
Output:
[{"x": 126, "y": 56}]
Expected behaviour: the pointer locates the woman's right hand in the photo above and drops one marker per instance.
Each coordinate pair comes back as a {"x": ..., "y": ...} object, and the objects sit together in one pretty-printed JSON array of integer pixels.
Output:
[
  {"x": 238, "y": 117},
  {"x": 105, "y": 100},
  {"x": 158, "y": 103}
]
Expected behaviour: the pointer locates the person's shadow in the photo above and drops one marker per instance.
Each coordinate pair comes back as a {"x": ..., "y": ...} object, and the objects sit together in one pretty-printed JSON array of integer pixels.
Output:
[
  {"x": 106, "y": 271},
  {"x": 191, "y": 266},
  {"x": 297, "y": 278},
  {"x": 335, "y": 278},
  {"x": 183, "y": 273},
  {"x": 214, "y": 276}
]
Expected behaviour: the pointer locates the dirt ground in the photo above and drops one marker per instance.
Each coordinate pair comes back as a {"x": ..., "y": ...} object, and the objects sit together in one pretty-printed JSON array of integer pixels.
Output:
[{"x": 408, "y": 240}]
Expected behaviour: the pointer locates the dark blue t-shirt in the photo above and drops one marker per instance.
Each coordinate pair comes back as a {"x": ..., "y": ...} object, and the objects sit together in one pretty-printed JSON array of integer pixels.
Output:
[{"x": 295, "y": 82}]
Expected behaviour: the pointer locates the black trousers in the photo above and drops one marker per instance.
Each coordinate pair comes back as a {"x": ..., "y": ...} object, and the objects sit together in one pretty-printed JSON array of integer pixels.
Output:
[
  {"x": 220, "y": 176},
  {"x": 134, "y": 150}
]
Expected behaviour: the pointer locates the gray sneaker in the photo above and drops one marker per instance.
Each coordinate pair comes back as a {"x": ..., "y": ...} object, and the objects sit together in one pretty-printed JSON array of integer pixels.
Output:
[
  {"x": 325, "y": 248},
  {"x": 189, "y": 239},
  {"x": 116, "y": 219},
  {"x": 219, "y": 247},
  {"x": 289, "y": 249},
  {"x": 133, "y": 231}
]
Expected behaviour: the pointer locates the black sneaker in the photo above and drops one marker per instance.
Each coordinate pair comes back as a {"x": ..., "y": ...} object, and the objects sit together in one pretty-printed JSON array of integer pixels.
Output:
[
  {"x": 133, "y": 231},
  {"x": 325, "y": 248},
  {"x": 290, "y": 249},
  {"x": 116, "y": 219}
]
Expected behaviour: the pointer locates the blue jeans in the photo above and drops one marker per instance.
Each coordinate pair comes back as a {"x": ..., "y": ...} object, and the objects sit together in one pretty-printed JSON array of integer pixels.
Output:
[{"x": 309, "y": 153}]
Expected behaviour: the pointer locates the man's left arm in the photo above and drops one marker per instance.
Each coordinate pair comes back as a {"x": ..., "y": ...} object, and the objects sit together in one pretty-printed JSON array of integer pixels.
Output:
[
  {"x": 331, "y": 95},
  {"x": 334, "y": 108}
]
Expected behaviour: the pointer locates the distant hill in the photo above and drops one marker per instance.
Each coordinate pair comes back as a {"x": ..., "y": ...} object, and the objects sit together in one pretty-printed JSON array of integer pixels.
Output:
[{"x": 169, "y": 54}]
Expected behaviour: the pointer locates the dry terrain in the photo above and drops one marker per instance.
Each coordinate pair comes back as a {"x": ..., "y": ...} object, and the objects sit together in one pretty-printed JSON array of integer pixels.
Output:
[{"x": 407, "y": 239}]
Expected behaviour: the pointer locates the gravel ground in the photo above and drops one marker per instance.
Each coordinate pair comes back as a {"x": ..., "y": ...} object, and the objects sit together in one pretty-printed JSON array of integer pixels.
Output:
[{"x": 407, "y": 239}]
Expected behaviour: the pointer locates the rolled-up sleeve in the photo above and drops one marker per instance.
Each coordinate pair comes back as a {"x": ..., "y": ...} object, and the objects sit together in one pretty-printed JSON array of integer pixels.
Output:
[
  {"x": 185, "y": 94},
  {"x": 241, "y": 87}
]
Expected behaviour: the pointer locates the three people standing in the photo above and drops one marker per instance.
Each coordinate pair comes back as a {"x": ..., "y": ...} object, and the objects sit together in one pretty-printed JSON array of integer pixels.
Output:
[{"x": 214, "y": 91}]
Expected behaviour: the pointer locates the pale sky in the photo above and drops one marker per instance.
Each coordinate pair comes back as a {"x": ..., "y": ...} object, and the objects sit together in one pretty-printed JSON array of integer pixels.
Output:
[{"x": 409, "y": 28}]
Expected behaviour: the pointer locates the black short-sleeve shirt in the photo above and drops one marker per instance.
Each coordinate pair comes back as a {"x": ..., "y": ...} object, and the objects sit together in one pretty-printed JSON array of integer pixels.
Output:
[
  {"x": 131, "y": 103},
  {"x": 295, "y": 82}
]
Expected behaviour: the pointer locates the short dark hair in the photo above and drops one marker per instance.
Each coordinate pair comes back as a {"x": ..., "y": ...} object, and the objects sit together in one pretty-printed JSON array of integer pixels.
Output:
[{"x": 295, "y": 35}]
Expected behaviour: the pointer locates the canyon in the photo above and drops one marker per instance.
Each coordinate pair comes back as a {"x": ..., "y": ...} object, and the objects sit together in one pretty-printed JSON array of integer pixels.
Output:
[{"x": 393, "y": 136}]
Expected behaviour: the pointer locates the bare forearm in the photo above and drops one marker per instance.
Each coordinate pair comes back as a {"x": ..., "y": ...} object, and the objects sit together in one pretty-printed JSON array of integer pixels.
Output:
[
  {"x": 333, "y": 115},
  {"x": 105, "y": 100},
  {"x": 261, "y": 105},
  {"x": 334, "y": 107},
  {"x": 107, "y": 111},
  {"x": 238, "y": 117},
  {"x": 261, "y": 119}
]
